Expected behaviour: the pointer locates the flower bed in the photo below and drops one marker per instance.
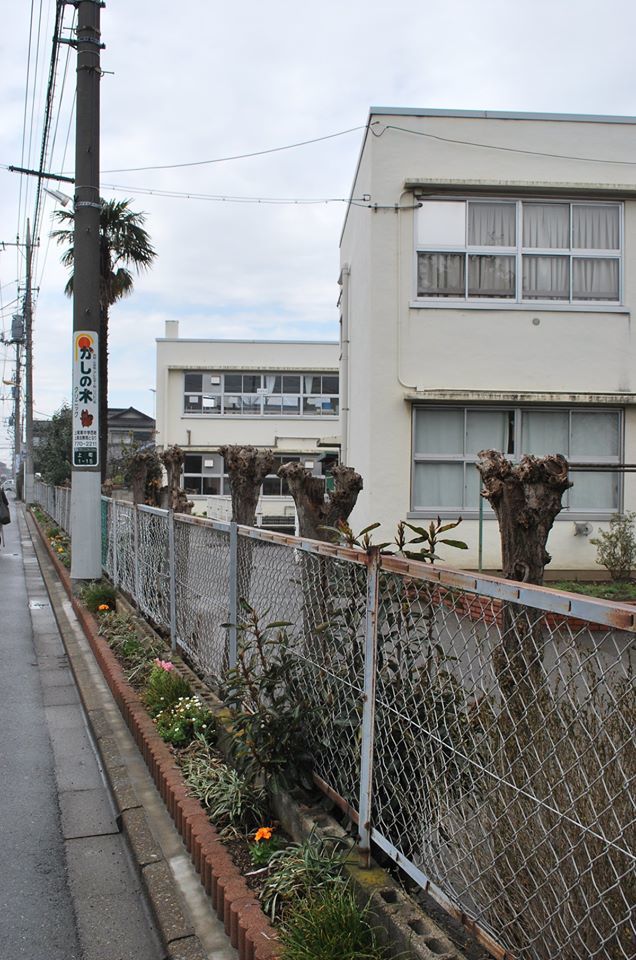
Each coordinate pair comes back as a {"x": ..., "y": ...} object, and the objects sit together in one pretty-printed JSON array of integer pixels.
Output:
[{"x": 245, "y": 860}]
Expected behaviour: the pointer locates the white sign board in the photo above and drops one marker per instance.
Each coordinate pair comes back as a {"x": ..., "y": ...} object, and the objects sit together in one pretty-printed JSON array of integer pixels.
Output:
[{"x": 85, "y": 399}]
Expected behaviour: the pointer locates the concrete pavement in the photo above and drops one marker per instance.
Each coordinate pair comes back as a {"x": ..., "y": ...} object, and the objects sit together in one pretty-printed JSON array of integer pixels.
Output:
[{"x": 68, "y": 890}]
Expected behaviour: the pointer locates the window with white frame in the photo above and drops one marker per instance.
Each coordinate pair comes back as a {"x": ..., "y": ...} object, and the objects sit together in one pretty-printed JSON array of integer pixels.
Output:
[
  {"x": 261, "y": 394},
  {"x": 523, "y": 251},
  {"x": 204, "y": 473},
  {"x": 446, "y": 441}
]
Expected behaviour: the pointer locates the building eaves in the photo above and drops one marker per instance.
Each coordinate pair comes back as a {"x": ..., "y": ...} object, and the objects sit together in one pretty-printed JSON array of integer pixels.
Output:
[{"x": 498, "y": 115}]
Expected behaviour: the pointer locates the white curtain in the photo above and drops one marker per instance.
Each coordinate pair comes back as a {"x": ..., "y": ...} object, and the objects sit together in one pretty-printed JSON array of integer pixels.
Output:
[
  {"x": 593, "y": 491},
  {"x": 595, "y": 227},
  {"x": 594, "y": 279},
  {"x": 546, "y": 225},
  {"x": 491, "y": 276},
  {"x": 595, "y": 435},
  {"x": 438, "y": 486},
  {"x": 544, "y": 432},
  {"x": 441, "y": 274},
  {"x": 491, "y": 224},
  {"x": 439, "y": 431},
  {"x": 487, "y": 429},
  {"x": 546, "y": 278}
]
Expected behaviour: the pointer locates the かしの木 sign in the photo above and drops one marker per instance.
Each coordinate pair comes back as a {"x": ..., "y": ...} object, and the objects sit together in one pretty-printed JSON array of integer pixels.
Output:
[{"x": 85, "y": 400}]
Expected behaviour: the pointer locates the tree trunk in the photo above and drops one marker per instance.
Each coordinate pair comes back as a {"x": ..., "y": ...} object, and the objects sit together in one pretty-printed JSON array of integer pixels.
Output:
[
  {"x": 526, "y": 498},
  {"x": 315, "y": 510},
  {"x": 172, "y": 459},
  {"x": 325, "y": 594},
  {"x": 246, "y": 467}
]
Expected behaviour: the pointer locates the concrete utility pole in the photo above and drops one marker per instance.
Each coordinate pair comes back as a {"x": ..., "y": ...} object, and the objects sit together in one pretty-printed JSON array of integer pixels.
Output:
[
  {"x": 17, "y": 424},
  {"x": 28, "y": 392},
  {"x": 86, "y": 561}
]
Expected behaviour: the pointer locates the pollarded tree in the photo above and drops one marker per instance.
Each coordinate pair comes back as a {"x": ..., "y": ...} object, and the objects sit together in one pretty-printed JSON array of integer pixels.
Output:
[{"x": 124, "y": 247}]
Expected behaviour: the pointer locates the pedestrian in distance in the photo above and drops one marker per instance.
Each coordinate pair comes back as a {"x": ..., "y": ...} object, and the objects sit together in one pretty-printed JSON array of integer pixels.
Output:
[{"x": 5, "y": 516}]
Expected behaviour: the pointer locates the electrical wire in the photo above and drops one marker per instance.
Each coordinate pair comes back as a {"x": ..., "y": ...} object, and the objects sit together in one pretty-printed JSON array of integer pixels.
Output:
[
  {"x": 181, "y": 195},
  {"x": 494, "y": 146},
  {"x": 239, "y": 156}
]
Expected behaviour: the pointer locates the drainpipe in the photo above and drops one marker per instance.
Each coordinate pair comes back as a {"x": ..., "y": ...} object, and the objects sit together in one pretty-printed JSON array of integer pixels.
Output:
[{"x": 343, "y": 280}]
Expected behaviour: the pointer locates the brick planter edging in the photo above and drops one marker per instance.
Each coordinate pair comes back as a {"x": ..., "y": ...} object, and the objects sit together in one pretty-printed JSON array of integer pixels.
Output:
[{"x": 244, "y": 920}]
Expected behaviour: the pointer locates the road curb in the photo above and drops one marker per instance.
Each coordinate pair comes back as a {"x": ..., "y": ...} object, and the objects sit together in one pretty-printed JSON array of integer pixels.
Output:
[{"x": 245, "y": 923}]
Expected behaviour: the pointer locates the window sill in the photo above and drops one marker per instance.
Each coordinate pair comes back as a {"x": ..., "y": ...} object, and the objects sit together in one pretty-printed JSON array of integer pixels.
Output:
[
  {"x": 575, "y": 516},
  {"x": 267, "y": 419},
  {"x": 536, "y": 307}
]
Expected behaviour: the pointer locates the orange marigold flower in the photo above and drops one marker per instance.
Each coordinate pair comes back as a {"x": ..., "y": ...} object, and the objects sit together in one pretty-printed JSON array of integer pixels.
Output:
[
  {"x": 103, "y": 606},
  {"x": 263, "y": 833}
]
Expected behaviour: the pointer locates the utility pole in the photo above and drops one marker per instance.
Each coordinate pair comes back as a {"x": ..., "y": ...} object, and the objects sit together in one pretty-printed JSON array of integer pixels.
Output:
[
  {"x": 86, "y": 560},
  {"x": 28, "y": 392},
  {"x": 17, "y": 423}
]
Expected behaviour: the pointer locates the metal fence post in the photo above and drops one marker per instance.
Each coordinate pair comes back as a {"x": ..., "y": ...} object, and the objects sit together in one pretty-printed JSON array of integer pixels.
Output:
[
  {"x": 172, "y": 579},
  {"x": 114, "y": 533},
  {"x": 368, "y": 705},
  {"x": 136, "y": 552},
  {"x": 233, "y": 594}
]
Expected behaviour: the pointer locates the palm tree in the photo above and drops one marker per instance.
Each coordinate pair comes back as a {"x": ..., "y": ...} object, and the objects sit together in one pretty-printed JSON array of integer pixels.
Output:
[{"x": 124, "y": 246}]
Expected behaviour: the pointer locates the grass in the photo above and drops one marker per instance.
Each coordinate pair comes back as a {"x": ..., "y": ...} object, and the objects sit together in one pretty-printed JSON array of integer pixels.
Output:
[
  {"x": 329, "y": 925},
  {"x": 602, "y": 590},
  {"x": 302, "y": 870},
  {"x": 233, "y": 801}
]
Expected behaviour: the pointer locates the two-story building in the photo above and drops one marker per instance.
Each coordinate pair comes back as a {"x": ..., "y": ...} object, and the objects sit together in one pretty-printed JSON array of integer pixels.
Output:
[
  {"x": 487, "y": 284},
  {"x": 281, "y": 395}
]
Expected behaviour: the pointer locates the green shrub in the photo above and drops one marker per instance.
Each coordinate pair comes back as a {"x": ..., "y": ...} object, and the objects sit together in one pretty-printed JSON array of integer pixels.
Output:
[
  {"x": 302, "y": 869},
  {"x": 164, "y": 687},
  {"x": 234, "y": 802},
  {"x": 271, "y": 714},
  {"x": 98, "y": 594},
  {"x": 181, "y": 722},
  {"x": 616, "y": 547},
  {"x": 328, "y": 925}
]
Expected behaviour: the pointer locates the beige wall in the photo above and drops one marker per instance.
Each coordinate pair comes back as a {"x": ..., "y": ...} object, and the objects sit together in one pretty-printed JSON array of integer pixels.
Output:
[
  {"x": 398, "y": 349},
  {"x": 175, "y": 356}
]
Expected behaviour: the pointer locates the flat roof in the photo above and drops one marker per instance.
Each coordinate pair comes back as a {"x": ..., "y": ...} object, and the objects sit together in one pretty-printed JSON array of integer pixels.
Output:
[
  {"x": 315, "y": 343},
  {"x": 497, "y": 115}
]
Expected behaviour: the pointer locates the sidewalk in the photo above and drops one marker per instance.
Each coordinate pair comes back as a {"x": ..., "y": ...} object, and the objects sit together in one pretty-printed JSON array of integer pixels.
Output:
[{"x": 68, "y": 890}]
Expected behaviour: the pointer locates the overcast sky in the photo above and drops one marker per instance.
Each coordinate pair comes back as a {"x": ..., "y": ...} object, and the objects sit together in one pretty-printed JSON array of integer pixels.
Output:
[{"x": 210, "y": 80}]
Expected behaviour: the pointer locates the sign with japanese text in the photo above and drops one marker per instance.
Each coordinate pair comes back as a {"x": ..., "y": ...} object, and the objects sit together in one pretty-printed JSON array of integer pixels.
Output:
[{"x": 85, "y": 399}]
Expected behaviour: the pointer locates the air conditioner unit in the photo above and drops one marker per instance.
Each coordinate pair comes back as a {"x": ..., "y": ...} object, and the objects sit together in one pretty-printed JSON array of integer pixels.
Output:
[{"x": 215, "y": 381}]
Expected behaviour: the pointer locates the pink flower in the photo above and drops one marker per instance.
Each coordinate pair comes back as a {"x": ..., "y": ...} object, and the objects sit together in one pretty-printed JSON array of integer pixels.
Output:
[{"x": 164, "y": 664}]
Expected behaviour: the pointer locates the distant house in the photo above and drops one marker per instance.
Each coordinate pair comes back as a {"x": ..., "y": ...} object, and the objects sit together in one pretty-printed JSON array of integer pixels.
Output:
[
  {"x": 281, "y": 395},
  {"x": 127, "y": 426},
  {"x": 488, "y": 281}
]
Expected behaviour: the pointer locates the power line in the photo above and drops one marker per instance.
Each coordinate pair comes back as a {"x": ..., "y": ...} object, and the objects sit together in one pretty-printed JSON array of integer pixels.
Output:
[
  {"x": 182, "y": 195},
  {"x": 239, "y": 156},
  {"x": 494, "y": 146}
]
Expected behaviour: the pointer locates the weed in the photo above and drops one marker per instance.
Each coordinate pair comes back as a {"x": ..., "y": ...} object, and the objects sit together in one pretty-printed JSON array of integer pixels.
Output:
[
  {"x": 326, "y": 925},
  {"x": 234, "y": 802},
  {"x": 98, "y": 594},
  {"x": 301, "y": 870},
  {"x": 164, "y": 687}
]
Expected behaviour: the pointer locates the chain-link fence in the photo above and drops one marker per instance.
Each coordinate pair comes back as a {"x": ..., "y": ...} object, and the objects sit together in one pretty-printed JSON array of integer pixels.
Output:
[
  {"x": 481, "y": 732},
  {"x": 56, "y": 501}
]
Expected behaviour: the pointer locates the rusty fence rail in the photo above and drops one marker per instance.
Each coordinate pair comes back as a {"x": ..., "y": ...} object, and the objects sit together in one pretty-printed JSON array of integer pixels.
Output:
[{"x": 480, "y": 732}]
